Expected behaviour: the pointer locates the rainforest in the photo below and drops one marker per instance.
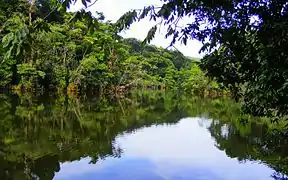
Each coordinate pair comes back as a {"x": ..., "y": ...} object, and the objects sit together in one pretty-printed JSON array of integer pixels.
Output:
[
  {"x": 80, "y": 101},
  {"x": 44, "y": 49}
]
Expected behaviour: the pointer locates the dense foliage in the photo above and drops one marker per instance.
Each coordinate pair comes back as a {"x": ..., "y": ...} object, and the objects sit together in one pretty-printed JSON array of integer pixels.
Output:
[
  {"x": 44, "y": 47},
  {"x": 245, "y": 41}
]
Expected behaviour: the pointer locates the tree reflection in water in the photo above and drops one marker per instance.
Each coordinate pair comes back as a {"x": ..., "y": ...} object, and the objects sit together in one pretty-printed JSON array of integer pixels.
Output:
[{"x": 39, "y": 133}]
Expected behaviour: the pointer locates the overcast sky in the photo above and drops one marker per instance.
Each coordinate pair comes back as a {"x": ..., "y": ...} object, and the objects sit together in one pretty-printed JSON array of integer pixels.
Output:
[{"x": 113, "y": 9}]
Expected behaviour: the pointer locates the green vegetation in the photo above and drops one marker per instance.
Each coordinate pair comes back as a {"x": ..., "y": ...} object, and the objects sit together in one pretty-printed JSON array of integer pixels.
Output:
[
  {"x": 46, "y": 48},
  {"x": 245, "y": 43}
]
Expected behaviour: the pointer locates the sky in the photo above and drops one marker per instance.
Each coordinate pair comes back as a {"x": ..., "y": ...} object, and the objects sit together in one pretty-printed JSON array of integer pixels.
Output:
[{"x": 113, "y": 9}]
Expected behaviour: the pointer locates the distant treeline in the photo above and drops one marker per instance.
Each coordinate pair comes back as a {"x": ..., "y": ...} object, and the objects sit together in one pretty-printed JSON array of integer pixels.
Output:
[{"x": 44, "y": 48}]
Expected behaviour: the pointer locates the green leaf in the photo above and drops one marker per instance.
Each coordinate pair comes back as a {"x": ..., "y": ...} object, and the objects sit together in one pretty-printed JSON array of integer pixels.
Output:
[
  {"x": 8, "y": 54},
  {"x": 126, "y": 20},
  {"x": 151, "y": 34},
  {"x": 7, "y": 39},
  {"x": 18, "y": 49}
]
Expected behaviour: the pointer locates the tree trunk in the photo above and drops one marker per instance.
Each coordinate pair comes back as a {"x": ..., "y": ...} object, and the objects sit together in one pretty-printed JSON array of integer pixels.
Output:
[{"x": 31, "y": 10}]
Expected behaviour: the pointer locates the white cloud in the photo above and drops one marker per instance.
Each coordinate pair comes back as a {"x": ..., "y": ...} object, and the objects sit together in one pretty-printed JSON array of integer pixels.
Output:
[{"x": 113, "y": 9}]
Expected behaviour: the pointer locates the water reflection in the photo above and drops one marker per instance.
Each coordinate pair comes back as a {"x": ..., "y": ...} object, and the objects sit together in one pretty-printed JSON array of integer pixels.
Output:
[
  {"x": 252, "y": 142},
  {"x": 181, "y": 151},
  {"x": 141, "y": 137}
]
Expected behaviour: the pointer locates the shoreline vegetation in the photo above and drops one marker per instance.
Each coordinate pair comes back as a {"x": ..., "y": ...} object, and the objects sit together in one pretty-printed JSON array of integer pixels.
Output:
[
  {"x": 45, "y": 48},
  {"x": 69, "y": 84}
]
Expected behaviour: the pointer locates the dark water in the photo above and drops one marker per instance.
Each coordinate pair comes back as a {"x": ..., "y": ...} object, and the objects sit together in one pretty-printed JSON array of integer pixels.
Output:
[{"x": 150, "y": 135}]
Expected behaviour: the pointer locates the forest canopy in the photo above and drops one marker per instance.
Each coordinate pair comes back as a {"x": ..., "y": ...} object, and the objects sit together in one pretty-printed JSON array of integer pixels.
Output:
[
  {"x": 45, "y": 47},
  {"x": 245, "y": 43}
]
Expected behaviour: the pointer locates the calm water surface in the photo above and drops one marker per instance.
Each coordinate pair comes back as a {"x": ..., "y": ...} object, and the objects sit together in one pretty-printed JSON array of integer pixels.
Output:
[
  {"x": 148, "y": 136},
  {"x": 185, "y": 150}
]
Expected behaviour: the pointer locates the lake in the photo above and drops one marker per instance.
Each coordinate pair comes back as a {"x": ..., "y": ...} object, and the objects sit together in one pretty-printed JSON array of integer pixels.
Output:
[{"x": 146, "y": 135}]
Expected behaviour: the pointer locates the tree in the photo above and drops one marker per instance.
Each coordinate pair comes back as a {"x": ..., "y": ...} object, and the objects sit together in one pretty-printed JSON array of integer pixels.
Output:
[
  {"x": 44, "y": 47},
  {"x": 252, "y": 35}
]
